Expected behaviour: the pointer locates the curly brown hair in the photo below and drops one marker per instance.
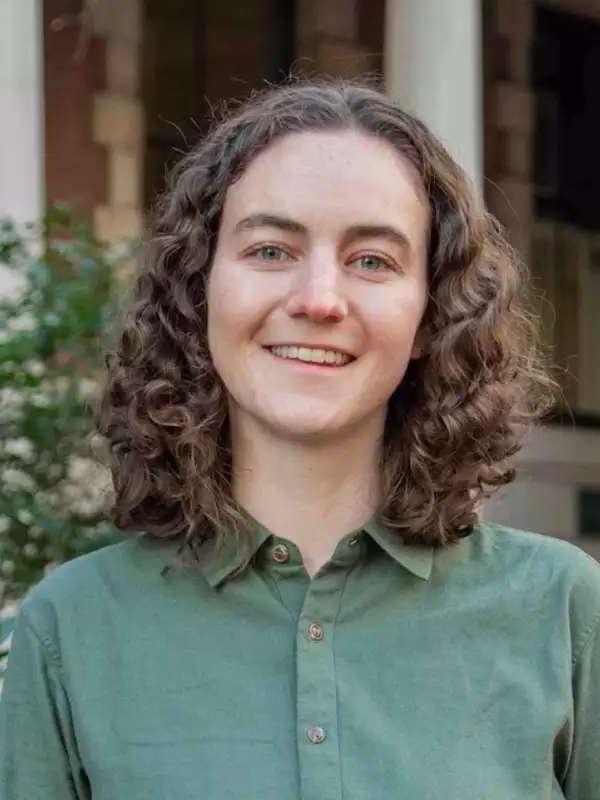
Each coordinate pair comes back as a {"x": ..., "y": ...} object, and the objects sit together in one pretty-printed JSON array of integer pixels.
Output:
[{"x": 455, "y": 420}]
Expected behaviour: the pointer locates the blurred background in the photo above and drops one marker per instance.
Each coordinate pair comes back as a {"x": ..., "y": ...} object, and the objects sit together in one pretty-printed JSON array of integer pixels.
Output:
[{"x": 99, "y": 97}]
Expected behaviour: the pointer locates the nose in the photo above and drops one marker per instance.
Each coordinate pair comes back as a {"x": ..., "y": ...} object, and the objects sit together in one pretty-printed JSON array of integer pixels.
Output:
[{"x": 317, "y": 292}]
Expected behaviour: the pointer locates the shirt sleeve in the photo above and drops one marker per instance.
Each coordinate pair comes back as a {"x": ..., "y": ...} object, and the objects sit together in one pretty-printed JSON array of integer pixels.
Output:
[
  {"x": 38, "y": 750},
  {"x": 583, "y": 776}
]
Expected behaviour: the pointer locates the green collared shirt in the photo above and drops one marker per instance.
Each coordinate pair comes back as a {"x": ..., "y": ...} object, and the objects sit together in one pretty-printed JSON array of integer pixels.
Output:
[{"x": 466, "y": 673}]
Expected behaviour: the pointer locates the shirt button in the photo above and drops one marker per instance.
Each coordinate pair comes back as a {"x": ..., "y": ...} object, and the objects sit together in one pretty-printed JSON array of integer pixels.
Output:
[
  {"x": 315, "y": 734},
  {"x": 315, "y": 631},
  {"x": 353, "y": 541},
  {"x": 280, "y": 553}
]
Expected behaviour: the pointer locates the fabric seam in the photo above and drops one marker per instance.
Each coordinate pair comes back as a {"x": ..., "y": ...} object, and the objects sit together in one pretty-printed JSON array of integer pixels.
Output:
[
  {"x": 45, "y": 641},
  {"x": 587, "y": 638}
]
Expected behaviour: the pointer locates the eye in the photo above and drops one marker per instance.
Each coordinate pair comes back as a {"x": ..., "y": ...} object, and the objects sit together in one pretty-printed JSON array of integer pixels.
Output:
[
  {"x": 374, "y": 263},
  {"x": 269, "y": 252}
]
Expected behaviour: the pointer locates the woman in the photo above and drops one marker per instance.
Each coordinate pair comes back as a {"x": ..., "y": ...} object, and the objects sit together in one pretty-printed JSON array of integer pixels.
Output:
[{"x": 326, "y": 365}]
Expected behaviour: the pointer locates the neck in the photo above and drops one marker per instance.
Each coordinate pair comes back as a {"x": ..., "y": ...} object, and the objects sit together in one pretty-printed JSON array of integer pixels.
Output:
[{"x": 312, "y": 494}]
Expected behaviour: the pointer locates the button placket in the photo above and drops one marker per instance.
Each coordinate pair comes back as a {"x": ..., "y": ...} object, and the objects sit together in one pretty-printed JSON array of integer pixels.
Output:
[{"x": 317, "y": 713}]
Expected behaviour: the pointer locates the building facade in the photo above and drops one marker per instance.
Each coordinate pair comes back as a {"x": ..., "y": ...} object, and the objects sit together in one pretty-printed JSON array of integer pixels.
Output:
[{"x": 100, "y": 96}]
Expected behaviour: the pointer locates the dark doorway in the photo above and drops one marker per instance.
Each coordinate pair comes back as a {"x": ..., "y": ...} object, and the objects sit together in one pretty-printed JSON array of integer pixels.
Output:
[
  {"x": 566, "y": 72},
  {"x": 197, "y": 53}
]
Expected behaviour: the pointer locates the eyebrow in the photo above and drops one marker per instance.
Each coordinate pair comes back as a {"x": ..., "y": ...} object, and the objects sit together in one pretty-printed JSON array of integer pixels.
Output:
[
  {"x": 269, "y": 221},
  {"x": 362, "y": 231}
]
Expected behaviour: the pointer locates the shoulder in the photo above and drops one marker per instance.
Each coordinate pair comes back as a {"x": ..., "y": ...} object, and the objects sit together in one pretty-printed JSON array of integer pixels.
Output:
[
  {"x": 74, "y": 577},
  {"x": 546, "y": 565},
  {"x": 79, "y": 588},
  {"x": 547, "y": 553}
]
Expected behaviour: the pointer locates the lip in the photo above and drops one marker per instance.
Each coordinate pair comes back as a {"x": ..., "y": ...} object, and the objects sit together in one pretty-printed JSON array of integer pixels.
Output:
[{"x": 311, "y": 347}]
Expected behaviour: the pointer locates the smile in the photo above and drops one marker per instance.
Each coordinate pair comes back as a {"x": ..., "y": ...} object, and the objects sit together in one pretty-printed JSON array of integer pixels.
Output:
[{"x": 316, "y": 358}]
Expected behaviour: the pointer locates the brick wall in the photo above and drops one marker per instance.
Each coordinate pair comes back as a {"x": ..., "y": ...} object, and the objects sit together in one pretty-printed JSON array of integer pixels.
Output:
[
  {"x": 117, "y": 119},
  {"x": 94, "y": 132},
  {"x": 197, "y": 54},
  {"x": 340, "y": 37},
  {"x": 75, "y": 166},
  {"x": 559, "y": 460},
  {"x": 508, "y": 116},
  {"x": 560, "y": 255},
  {"x": 149, "y": 71}
]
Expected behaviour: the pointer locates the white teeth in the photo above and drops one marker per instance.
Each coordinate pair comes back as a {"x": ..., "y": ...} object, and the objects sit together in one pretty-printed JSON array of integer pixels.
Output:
[{"x": 314, "y": 355}]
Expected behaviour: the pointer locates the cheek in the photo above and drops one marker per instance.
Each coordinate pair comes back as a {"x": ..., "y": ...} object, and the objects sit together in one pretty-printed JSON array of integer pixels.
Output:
[
  {"x": 234, "y": 317},
  {"x": 394, "y": 325},
  {"x": 223, "y": 307},
  {"x": 239, "y": 304}
]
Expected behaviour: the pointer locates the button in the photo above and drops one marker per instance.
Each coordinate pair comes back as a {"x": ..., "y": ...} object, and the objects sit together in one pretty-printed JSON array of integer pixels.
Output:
[
  {"x": 354, "y": 540},
  {"x": 315, "y": 631},
  {"x": 280, "y": 553},
  {"x": 315, "y": 734}
]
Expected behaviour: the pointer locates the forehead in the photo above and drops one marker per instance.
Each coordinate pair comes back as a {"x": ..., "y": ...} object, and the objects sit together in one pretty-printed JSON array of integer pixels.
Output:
[{"x": 320, "y": 176}]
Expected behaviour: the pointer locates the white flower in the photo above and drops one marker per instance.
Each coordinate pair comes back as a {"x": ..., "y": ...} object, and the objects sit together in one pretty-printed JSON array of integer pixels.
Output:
[
  {"x": 10, "y": 396},
  {"x": 7, "y": 567},
  {"x": 23, "y": 322},
  {"x": 4, "y": 523},
  {"x": 84, "y": 504},
  {"x": 25, "y": 516},
  {"x": 86, "y": 486},
  {"x": 13, "y": 285},
  {"x": 11, "y": 402},
  {"x": 34, "y": 367},
  {"x": 30, "y": 550},
  {"x": 22, "y": 448},
  {"x": 16, "y": 479},
  {"x": 84, "y": 469},
  {"x": 39, "y": 400},
  {"x": 88, "y": 388}
]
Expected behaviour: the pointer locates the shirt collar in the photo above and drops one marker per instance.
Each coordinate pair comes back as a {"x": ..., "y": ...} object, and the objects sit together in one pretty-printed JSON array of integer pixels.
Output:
[
  {"x": 416, "y": 558},
  {"x": 216, "y": 565}
]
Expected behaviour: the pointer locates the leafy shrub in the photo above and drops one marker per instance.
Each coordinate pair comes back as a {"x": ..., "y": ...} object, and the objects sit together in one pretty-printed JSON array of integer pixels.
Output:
[{"x": 59, "y": 290}]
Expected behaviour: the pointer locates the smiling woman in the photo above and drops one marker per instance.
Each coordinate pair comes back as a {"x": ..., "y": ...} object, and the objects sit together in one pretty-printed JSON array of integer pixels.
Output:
[
  {"x": 341, "y": 204},
  {"x": 326, "y": 363}
]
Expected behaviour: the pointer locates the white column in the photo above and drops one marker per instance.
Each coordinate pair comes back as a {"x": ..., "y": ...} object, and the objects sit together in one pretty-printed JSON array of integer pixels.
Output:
[
  {"x": 21, "y": 110},
  {"x": 432, "y": 67}
]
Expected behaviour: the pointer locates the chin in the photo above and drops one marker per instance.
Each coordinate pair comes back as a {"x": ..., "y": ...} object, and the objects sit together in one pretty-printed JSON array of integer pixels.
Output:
[{"x": 304, "y": 429}]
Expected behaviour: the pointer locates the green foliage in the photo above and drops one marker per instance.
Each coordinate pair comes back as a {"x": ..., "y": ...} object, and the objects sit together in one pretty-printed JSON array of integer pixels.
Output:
[{"x": 58, "y": 298}]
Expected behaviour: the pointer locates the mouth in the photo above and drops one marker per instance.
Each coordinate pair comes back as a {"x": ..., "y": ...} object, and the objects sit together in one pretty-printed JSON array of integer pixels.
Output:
[{"x": 309, "y": 366}]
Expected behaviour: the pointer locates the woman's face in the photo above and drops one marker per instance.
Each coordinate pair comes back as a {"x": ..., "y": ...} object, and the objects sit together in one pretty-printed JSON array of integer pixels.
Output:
[{"x": 322, "y": 244}]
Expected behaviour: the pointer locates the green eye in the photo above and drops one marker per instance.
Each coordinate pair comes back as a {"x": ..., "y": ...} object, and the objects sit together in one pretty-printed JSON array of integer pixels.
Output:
[
  {"x": 372, "y": 262},
  {"x": 269, "y": 253}
]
